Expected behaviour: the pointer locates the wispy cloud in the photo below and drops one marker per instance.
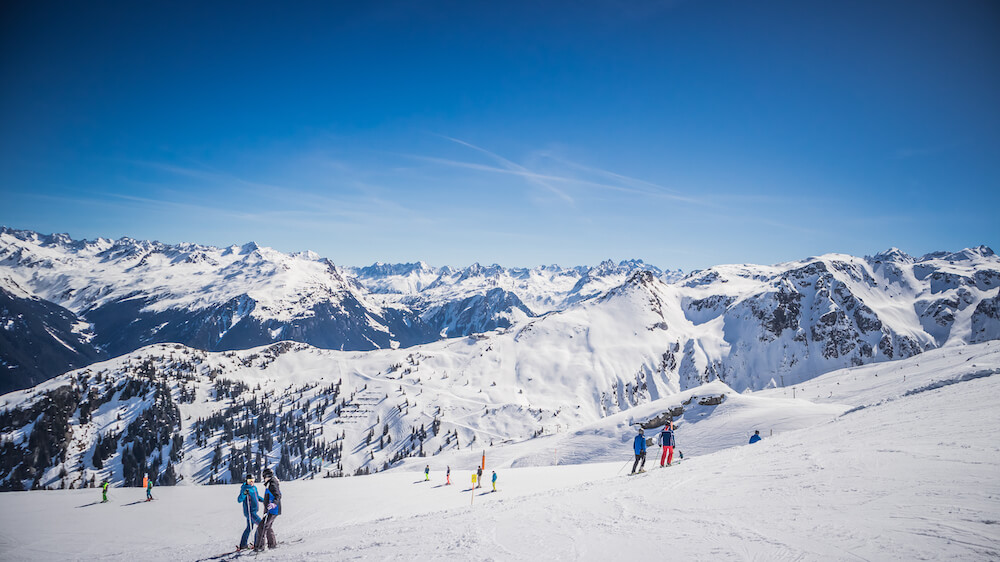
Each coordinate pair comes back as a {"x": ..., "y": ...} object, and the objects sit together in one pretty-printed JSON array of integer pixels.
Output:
[
  {"x": 537, "y": 179},
  {"x": 549, "y": 180}
]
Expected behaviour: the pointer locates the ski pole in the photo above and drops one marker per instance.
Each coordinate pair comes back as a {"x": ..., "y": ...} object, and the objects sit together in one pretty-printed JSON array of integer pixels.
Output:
[{"x": 623, "y": 467}]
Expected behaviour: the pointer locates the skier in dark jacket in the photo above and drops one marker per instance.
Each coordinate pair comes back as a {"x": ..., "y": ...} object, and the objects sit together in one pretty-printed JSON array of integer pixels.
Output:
[
  {"x": 249, "y": 497},
  {"x": 272, "y": 506},
  {"x": 668, "y": 444},
  {"x": 104, "y": 491},
  {"x": 755, "y": 437},
  {"x": 479, "y": 477},
  {"x": 639, "y": 444}
]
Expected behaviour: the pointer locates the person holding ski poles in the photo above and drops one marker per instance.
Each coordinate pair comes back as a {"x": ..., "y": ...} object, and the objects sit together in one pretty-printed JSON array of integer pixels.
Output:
[
  {"x": 249, "y": 498},
  {"x": 668, "y": 443},
  {"x": 639, "y": 444},
  {"x": 272, "y": 505}
]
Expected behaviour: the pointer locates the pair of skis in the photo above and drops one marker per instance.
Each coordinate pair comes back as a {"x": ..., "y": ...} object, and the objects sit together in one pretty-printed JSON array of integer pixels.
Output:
[{"x": 232, "y": 555}]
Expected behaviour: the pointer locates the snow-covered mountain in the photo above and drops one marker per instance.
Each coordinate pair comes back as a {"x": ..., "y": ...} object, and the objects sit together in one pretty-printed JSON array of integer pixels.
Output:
[
  {"x": 133, "y": 293},
  {"x": 480, "y": 298},
  {"x": 39, "y": 338},
  {"x": 121, "y": 295},
  {"x": 749, "y": 325},
  {"x": 541, "y": 289}
]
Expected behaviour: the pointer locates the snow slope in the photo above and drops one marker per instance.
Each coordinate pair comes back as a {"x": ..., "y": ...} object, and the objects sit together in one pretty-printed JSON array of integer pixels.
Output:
[{"x": 907, "y": 471}]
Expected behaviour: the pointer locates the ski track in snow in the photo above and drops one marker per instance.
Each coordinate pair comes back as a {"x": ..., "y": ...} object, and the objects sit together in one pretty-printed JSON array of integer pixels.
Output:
[{"x": 911, "y": 476}]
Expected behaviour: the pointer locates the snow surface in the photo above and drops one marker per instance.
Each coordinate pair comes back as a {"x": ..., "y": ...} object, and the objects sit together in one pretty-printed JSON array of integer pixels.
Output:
[{"x": 901, "y": 466}]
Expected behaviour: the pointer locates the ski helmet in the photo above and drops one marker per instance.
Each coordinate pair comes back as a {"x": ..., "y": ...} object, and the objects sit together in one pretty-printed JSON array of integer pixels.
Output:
[{"x": 268, "y": 473}]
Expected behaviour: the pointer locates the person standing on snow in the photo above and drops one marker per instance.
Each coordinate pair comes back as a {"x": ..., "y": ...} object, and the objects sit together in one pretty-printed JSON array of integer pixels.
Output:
[
  {"x": 447, "y": 476},
  {"x": 639, "y": 444},
  {"x": 272, "y": 505},
  {"x": 104, "y": 491},
  {"x": 149, "y": 489},
  {"x": 479, "y": 476},
  {"x": 427, "y": 473},
  {"x": 755, "y": 437},
  {"x": 668, "y": 444},
  {"x": 494, "y": 480},
  {"x": 249, "y": 497}
]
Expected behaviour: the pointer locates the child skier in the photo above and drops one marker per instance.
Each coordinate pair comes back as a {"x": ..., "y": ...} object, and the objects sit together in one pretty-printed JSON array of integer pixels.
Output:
[
  {"x": 639, "y": 444},
  {"x": 272, "y": 504},
  {"x": 668, "y": 444},
  {"x": 249, "y": 496},
  {"x": 494, "y": 480}
]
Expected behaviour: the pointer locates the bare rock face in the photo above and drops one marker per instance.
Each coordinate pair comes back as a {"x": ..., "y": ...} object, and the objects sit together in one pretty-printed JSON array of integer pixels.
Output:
[{"x": 986, "y": 321}]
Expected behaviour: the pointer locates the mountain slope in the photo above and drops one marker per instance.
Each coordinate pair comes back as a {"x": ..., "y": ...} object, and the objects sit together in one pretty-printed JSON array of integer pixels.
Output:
[
  {"x": 38, "y": 337},
  {"x": 908, "y": 476}
]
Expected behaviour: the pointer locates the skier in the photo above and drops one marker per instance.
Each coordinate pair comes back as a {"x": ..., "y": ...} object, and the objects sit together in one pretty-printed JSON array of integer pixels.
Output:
[
  {"x": 479, "y": 476},
  {"x": 640, "y": 451},
  {"x": 104, "y": 491},
  {"x": 249, "y": 496},
  {"x": 494, "y": 480},
  {"x": 447, "y": 476},
  {"x": 668, "y": 444},
  {"x": 755, "y": 437},
  {"x": 427, "y": 473},
  {"x": 149, "y": 489},
  {"x": 272, "y": 504}
]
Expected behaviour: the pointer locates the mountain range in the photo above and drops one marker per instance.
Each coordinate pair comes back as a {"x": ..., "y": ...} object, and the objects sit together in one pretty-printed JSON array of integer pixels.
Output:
[
  {"x": 593, "y": 353},
  {"x": 66, "y": 302}
]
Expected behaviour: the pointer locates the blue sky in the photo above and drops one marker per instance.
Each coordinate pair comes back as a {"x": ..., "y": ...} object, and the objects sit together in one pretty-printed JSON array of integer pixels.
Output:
[{"x": 686, "y": 134}]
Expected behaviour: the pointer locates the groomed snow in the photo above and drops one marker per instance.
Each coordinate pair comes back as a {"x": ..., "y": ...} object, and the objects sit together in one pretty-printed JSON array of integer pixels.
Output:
[{"x": 908, "y": 471}]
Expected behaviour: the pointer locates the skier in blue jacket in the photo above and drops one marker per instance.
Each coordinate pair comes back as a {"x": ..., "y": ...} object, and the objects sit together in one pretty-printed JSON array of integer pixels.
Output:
[
  {"x": 639, "y": 444},
  {"x": 755, "y": 437},
  {"x": 249, "y": 498},
  {"x": 272, "y": 505},
  {"x": 668, "y": 443}
]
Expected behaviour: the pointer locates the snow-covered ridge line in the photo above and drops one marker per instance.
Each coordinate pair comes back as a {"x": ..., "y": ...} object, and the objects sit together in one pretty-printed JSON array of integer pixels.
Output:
[
  {"x": 748, "y": 325},
  {"x": 134, "y": 292}
]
